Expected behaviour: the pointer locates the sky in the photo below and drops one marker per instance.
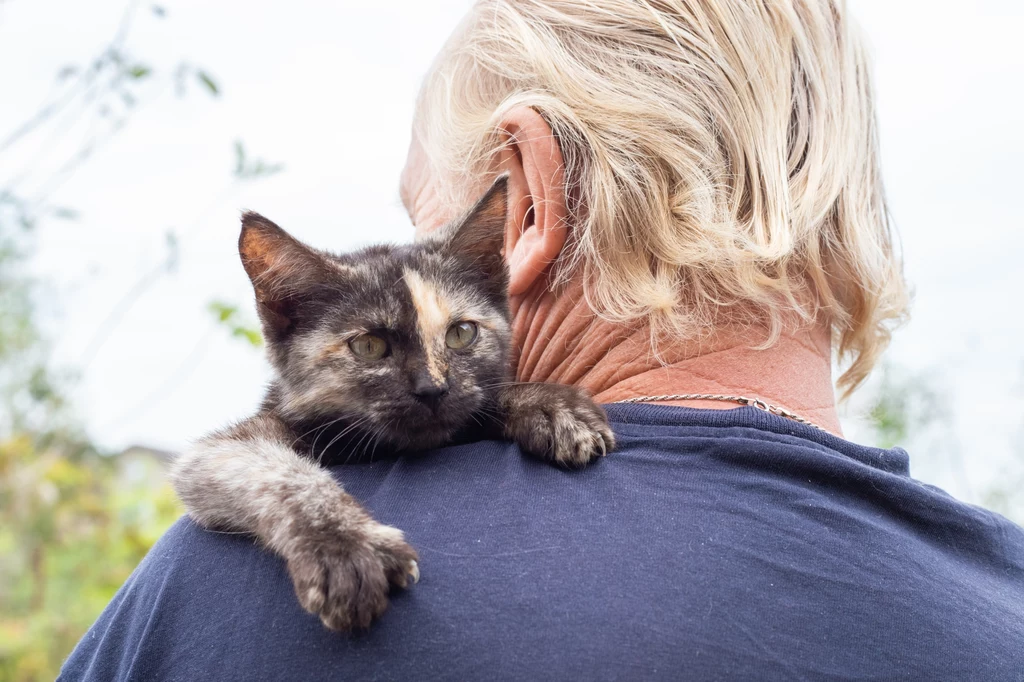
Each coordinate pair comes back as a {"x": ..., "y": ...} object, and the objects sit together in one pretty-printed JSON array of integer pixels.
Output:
[{"x": 328, "y": 90}]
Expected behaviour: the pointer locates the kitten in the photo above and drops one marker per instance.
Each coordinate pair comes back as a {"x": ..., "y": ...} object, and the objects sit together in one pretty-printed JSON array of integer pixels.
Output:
[{"x": 399, "y": 347}]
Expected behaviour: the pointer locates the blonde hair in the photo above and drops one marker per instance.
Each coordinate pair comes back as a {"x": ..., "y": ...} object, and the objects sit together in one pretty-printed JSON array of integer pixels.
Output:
[{"x": 722, "y": 155}]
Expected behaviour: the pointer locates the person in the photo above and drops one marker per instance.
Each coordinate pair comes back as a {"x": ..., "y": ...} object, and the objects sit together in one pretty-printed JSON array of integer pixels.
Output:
[{"x": 697, "y": 226}]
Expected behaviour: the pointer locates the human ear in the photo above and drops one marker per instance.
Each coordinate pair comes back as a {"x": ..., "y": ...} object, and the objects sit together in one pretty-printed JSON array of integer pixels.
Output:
[{"x": 535, "y": 229}]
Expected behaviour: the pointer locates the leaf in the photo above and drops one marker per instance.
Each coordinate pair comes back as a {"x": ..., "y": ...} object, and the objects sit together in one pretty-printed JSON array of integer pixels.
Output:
[
  {"x": 222, "y": 311},
  {"x": 239, "y": 158},
  {"x": 139, "y": 71},
  {"x": 246, "y": 169},
  {"x": 253, "y": 336},
  {"x": 173, "y": 252},
  {"x": 65, "y": 213},
  {"x": 208, "y": 81},
  {"x": 229, "y": 315},
  {"x": 261, "y": 170}
]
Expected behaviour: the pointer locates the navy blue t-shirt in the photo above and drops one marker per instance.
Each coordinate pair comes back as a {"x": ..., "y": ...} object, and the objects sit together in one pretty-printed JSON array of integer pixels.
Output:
[{"x": 712, "y": 545}]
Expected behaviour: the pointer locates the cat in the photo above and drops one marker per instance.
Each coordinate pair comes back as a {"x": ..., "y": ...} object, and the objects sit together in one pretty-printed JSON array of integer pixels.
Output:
[{"x": 399, "y": 347}]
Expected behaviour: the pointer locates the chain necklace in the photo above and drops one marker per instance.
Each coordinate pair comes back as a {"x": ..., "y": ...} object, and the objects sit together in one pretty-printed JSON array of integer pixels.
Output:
[{"x": 752, "y": 402}]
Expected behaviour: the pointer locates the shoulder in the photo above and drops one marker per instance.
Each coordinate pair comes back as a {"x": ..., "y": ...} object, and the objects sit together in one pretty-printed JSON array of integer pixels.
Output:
[
  {"x": 487, "y": 521},
  {"x": 702, "y": 549},
  {"x": 171, "y": 616}
]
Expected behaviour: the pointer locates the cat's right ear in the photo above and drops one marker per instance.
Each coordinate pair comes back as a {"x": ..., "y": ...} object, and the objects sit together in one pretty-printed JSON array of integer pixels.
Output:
[{"x": 282, "y": 270}]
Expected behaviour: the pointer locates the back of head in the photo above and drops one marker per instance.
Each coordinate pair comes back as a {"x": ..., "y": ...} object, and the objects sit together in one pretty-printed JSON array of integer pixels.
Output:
[{"x": 721, "y": 158}]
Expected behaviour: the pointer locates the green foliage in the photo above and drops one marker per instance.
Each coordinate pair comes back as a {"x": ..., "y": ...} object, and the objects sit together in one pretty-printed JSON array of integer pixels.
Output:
[
  {"x": 187, "y": 73},
  {"x": 239, "y": 327},
  {"x": 139, "y": 71},
  {"x": 902, "y": 406},
  {"x": 249, "y": 169},
  {"x": 207, "y": 80},
  {"x": 1005, "y": 499},
  {"x": 64, "y": 213},
  {"x": 73, "y": 526},
  {"x": 74, "y": 522},
  {"x": 1007, "y": 496},
  {"x": 905, "y": 406}
]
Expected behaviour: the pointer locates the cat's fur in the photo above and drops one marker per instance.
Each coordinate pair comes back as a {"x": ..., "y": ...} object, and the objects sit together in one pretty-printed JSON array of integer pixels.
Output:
[{"x": 264, "y": 476}]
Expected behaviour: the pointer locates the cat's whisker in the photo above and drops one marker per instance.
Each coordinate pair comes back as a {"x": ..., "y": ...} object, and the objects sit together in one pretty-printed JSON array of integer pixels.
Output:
[
  {"x": 356, "y": 451},
  {"x": 355, "y": 447},
  {"x": 324, "y": 451},
  {"x": 489, "y": 411},
  {"x": 364, "y": 443},
  {"x": 499, "y": 384},
  {"x": 344, "y": 431},
  {"x": 349, "y": 429},
  {"x": 377, "y": 437},
  {"x": 319, "y": 428}
]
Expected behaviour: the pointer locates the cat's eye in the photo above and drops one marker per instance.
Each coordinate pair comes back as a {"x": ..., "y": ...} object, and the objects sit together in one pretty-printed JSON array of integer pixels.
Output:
[
  {"x": 369, "y": 346},
  {"x": 460, "y": 335}
]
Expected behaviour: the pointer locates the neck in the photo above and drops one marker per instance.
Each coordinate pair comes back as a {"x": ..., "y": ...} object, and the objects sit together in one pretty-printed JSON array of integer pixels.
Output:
[{"x": 558, "y": 339}]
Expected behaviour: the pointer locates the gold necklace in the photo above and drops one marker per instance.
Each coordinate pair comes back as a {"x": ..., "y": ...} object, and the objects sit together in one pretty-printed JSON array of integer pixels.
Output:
[{"x": 752, "y": 402}]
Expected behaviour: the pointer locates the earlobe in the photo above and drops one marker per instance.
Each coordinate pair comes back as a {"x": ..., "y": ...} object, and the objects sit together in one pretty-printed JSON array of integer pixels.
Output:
[
  {"x": 536, "y": 229},
  {"x": 530, "y": 258}
]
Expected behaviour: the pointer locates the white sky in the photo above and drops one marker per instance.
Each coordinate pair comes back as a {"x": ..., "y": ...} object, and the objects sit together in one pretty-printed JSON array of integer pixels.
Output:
[{"x": 328, "y": 89}]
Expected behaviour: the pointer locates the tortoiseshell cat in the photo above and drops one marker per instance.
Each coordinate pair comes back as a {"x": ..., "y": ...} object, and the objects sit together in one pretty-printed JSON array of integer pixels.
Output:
[{"x": 404, "y": 347}]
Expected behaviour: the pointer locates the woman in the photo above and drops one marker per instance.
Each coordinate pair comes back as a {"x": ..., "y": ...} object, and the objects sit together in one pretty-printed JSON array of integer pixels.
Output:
[{"x": 697, "y": 229}]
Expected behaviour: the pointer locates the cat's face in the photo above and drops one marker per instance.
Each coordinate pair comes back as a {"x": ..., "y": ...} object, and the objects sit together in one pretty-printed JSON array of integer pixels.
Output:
[{"x": 403, "y": 343}]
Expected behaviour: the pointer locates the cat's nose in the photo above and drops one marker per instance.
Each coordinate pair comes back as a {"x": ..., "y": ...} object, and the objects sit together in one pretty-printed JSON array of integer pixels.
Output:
[{"x": 429, "y": 390}]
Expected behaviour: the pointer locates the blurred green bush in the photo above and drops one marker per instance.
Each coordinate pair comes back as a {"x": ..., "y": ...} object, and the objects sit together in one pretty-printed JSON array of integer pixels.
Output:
[{"x": 73, "y": 526}]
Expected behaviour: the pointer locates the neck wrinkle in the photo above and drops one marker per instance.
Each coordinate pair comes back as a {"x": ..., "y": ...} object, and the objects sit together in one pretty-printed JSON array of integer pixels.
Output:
[{"x": 558, "y": 339}]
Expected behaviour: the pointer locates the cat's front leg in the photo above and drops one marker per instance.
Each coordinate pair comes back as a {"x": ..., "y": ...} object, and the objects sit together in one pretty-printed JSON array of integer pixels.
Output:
[
  {"x": 342, "y": 562},
  {"x": 561, "y": 424}
]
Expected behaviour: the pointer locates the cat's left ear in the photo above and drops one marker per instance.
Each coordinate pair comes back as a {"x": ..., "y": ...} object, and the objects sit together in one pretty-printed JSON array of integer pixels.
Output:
[
  {"x": 284, "y": 273},
  {"x": 480, "y": 234}
]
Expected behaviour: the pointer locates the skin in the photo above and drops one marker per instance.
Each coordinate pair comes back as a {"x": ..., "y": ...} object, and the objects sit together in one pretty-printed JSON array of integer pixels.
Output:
[{"x": 557, "y": 338}]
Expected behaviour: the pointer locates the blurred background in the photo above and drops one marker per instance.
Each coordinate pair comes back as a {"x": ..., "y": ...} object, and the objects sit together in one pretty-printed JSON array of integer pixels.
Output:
[{"x": 131, "y": 134}]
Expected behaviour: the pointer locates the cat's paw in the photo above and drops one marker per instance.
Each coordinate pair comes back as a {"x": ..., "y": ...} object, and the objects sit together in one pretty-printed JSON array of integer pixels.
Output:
[
  {"x": 561, "y": 424},
  {"x": 345, "y": 579}
]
